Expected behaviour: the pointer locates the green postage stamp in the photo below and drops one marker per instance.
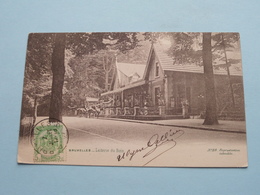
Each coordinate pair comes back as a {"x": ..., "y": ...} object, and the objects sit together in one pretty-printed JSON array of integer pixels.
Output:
[{"x": 49, "y": 138}]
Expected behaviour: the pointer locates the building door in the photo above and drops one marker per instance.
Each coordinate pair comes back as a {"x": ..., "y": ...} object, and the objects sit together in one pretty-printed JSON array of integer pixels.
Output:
[
  {"x": 156, "y": 96},
  {"x": 180, "y": 97}
]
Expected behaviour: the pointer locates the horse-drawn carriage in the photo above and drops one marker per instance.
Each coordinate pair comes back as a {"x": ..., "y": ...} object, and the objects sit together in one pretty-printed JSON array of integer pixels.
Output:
[{"x": 92, "y": 108}]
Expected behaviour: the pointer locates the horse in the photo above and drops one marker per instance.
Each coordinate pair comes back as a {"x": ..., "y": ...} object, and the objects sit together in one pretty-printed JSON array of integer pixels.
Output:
[
  {"x": 93, "y": 110},
  {"x": 81, "y": 112},
  {"x": 88, "y": 111}
]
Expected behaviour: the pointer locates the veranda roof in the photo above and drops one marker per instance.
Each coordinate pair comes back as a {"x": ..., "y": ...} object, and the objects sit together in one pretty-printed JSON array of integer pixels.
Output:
[
  {"x": 91, "y": 99},
  {"x": 132, "y": 85}
]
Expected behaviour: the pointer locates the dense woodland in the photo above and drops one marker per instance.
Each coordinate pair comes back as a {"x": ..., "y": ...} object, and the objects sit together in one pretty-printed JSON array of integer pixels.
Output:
[{"x": 63, "y": 69}]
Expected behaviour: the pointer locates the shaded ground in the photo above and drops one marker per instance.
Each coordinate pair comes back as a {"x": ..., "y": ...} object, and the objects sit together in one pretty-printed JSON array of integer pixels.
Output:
[
  {"x": 193, "y": 147},
  {"x": 224, "y": 125}
]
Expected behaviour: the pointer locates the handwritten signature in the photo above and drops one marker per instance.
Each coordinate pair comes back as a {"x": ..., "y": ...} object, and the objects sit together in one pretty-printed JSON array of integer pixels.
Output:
[{"x": 153, "y": 143}]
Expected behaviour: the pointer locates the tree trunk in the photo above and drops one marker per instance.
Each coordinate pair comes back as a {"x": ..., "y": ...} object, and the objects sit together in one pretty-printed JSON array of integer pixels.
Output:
[
  {"x": 228, "y": 72},
  {"x": 106, "y": 81},
  {"x": 211, "y": 105},
  {"x": 107, "y": 66},
  {"x": 58, "y": 72},
  {"x": 35, "y": 108}
]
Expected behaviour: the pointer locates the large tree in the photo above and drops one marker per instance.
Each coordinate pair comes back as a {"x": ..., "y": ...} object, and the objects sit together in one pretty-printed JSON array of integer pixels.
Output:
[
  {"x": 211, "y": 105},
  {"x": 80, "y": 44},
  {"x": 187, "y": 48},
  {"x": 190, "y": 48},
  {"x": 87, "y": 80},
  {"x": 38, "y": 78},
  {"x": 58, "y": 72},
  {"x": 198, "y": 48},
  {"x": 224, "y": 43}
]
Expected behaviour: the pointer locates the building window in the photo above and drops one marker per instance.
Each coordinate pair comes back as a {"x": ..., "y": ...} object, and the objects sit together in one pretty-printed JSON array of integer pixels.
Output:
[
  {"x": 157, "y": 68},
  {"x": 130, "y": 100},
  {"x": 172, "y": 100}
]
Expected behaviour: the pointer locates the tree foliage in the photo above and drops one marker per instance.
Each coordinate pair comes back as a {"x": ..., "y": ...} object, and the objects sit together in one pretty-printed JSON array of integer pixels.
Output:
[
  {"x": 80, "y": 44},
  {"x": 86, "y": 62},
  {"x": 55, "y": 58},
  {"x": 87, "y": 80},
  {"x": 190, "y": 48},
  {"x": 37, "y": 80}
]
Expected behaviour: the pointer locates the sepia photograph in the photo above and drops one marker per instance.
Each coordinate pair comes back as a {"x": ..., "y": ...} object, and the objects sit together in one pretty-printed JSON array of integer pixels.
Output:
[{"x": 156, "y": 99}]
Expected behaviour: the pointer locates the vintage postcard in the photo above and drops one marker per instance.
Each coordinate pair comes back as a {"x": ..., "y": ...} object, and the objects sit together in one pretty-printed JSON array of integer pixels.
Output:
[{"x": 156, "y": 99}]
